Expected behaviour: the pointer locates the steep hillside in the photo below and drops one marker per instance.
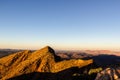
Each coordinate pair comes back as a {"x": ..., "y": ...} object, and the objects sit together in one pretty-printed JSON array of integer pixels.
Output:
[{"x": 40, "y": 61}]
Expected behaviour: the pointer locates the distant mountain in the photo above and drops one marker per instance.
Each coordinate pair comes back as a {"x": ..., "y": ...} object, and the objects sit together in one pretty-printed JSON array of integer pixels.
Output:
[
  {"x": 99, "y": 52},
  {"x": 5, "y": 52},
  {"x": 42, "y": 64}
]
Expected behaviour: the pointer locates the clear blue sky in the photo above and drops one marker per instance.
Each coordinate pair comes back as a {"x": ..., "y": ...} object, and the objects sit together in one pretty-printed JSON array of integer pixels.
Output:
[{"x": 62, "y": 24}]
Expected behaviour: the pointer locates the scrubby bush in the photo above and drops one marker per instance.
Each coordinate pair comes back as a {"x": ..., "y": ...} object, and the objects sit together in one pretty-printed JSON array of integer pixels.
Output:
[{"x": 97, "y": 70}]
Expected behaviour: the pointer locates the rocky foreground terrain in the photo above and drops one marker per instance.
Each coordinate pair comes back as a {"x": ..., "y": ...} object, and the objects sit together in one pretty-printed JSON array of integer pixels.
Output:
[{"x": 45, "y": 64}]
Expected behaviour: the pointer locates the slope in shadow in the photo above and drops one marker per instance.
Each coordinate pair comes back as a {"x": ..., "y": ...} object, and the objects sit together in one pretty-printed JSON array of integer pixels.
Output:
[
  {"x": 105, "y": 60},
  {"x": 62, "y": 75}
]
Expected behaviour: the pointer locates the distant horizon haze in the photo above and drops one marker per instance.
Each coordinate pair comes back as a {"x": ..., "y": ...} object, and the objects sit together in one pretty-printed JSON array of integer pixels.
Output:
[{"x": 66, "y": 48}]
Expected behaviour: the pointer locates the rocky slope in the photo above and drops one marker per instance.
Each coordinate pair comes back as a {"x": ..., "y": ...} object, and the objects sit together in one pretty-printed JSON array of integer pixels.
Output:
[
  {"x": 109, "y": 74},
  {"x": 41, "y": 61}
]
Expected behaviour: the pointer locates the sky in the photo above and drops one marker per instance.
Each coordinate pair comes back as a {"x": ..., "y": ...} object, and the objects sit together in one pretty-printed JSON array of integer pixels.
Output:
[{"x": 61, "y": 24}]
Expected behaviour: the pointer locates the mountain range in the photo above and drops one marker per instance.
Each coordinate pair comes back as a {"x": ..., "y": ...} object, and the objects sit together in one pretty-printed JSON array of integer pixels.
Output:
[{"x": 41, "y": 64}]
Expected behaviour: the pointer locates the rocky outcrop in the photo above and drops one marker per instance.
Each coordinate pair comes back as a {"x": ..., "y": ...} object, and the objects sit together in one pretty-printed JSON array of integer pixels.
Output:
[
  {"x": 43, "y": 60},
  {"x": 109, "y": 74}
]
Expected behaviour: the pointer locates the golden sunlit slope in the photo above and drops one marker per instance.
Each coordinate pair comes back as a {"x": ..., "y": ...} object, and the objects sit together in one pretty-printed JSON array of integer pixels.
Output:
[{"x": 43, "y": 60}]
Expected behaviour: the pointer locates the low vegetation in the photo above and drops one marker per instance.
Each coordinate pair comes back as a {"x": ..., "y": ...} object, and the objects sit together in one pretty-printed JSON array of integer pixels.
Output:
[{"x": 92, "y": 71}]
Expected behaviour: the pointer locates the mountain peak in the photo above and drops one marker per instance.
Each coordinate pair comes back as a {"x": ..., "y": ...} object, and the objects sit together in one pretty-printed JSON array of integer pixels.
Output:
[
  {"x": 49, "y": 49},
  {"x": 46, "y": 50}
]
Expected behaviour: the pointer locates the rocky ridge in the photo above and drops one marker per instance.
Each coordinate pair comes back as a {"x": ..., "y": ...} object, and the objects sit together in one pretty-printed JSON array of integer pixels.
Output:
[{"x": 42, "y": 61}]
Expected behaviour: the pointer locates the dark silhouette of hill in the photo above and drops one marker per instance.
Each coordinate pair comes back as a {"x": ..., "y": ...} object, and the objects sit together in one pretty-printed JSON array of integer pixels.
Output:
[{"x": 105, "y": 60}]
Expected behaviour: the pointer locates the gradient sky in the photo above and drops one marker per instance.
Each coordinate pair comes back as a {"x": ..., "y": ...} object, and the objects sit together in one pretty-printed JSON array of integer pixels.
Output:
[{"x": 62, "y": 24}]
